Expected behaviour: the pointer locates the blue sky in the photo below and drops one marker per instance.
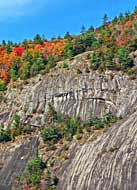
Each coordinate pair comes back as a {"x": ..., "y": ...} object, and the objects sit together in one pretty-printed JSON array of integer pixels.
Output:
[{"x": 20, "y": 19}]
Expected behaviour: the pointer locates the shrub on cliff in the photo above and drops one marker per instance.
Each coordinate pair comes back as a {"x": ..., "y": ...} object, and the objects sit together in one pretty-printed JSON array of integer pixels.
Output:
[
  {"x": 2, "y": 85},
  {"x": 106, "y": 120},
  {"x": 109, "y": 118},
  {"x": 72, "y": 126},
  {"x": 17, "y": 128},
  {"x": 51, "y": 134},
  {"x": 4, "y": 135},
  {"x": 97, "y": 122},
  {"x": 62, "y": 127},
  {"x": 33, "y": 171}
]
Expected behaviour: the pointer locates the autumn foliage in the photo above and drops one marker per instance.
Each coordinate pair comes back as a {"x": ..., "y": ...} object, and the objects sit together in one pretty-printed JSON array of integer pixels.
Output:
[
  {"x": 38, "y": 55},
  {"x": 13, "y": 58}
]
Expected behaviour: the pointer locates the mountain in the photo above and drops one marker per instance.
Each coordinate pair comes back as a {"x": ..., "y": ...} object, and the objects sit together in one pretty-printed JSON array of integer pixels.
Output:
[{"x": 68, "y": 110}]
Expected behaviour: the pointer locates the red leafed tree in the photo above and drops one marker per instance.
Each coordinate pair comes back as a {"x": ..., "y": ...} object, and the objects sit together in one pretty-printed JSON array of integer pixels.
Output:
[
  {"x": 39, "y": 47},
  {"x": 19, "y": 50},
  {"x": 49, "y": 49}
]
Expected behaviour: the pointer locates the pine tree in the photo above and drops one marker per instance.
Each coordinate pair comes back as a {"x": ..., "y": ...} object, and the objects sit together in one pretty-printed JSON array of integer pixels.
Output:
[
  {"x": 3, "y": 43},
  {"x": 83, "y": 29},
  {"x": 67, "y": 36},
  {"x": 135, "y": 10},
  {"x": 105, "y": 19}
]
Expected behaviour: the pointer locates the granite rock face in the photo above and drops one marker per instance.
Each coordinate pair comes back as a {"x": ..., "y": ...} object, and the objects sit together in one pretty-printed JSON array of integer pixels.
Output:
[
  {"x": 107, "y": 163},
  {"x": 13, "y": 159},
  {"x": 72, "y": 94},
  {"x": 110, "y": 162}
]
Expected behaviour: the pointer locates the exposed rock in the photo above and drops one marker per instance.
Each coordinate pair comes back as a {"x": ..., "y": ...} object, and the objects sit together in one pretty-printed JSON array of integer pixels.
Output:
[
  {"x": 72, "y": 94},
  {"x": 134, "y": 57},
  {"x": 13, "y": 159},
  {"x": 110, "y": 162}
]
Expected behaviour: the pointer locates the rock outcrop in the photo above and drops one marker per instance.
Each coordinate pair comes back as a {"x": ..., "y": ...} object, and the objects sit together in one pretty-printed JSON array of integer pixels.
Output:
[
  {"x": 13, "y": 159},
  {"x": 110, "y": 161},
  {"x": 72, "y": 94}
]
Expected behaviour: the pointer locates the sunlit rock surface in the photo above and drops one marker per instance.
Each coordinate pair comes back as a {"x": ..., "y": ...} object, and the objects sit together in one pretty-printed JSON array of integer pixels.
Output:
[
  {"x": 107, "y": 163},
  {"x": 13, "y": 159},
  {"x": 110, "y": 162}
]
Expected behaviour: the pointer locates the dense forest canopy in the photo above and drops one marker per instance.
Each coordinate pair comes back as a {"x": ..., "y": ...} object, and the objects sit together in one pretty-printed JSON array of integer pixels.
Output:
[{"x": 111, "y": 45}]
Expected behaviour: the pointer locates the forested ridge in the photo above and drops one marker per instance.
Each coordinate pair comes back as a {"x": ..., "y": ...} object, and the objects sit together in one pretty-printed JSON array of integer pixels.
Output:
[
  {"x": 111, "y": 45},
  {"x": 68, "y": 109}
]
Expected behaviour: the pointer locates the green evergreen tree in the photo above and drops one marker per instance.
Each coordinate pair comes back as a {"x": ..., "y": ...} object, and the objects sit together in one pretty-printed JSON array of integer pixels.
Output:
[
  {"x": 108, "y": 59},
  {"x": 25, "y": 43},
  {"x": 13, "y": 74},
  {"x": 135, "y": 10},
  {"x": 25, "y": 70},
  {"x": 124, "y": 58},
  {"x": 2, "y": 85},
  {"x": 69, "y": 49},
  {"x": 38, "y": 39},
  {"x": 38, "y": 65},
  {"x": 83, "y": 29},
  {"x": 121, "y": 16},
  {"x": 67, "y": 36},
  {"x": 105, "y": 19},
  {"x": 91, "y": 29},
  {"x": 95, "y": 61},
  {"x": 3, "y": 43},
  {"x": 14, "y": 71},
  {"x": 114, "y": 21},
  {"x": 127, "y": 14},
  {"x": 9, "y": 47}
]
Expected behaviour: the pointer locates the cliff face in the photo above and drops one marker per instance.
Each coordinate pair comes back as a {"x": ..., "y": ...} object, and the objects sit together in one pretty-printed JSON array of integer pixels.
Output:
[
  {"x": 13, "y": 159},
  {"x": 108, "y": 162},
  {"x": 72, "y": 94}
]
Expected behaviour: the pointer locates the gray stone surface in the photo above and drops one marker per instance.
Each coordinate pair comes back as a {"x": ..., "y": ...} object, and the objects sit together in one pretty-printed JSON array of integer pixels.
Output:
[
  {"x": 13, "y": 159},
  {"x": 108, "y": 163},
  {"x": 72, "y": 94}
]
